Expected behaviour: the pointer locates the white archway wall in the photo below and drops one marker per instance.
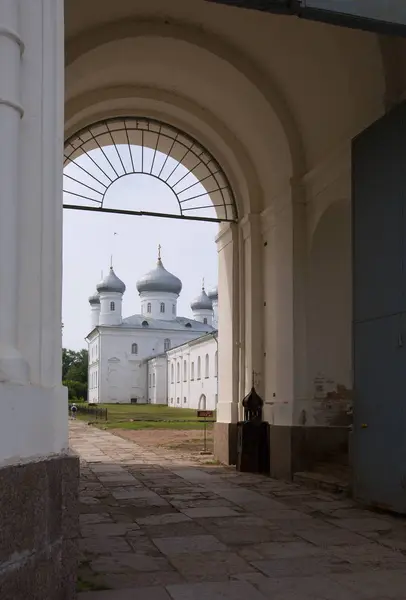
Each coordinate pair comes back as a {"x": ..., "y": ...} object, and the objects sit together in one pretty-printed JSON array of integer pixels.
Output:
[
  {"x": 330, "y": 316},
  {"x": 329, "y": 306},
  {"x": 148, "y": 63},
  {"x": 328, "y": 83}
]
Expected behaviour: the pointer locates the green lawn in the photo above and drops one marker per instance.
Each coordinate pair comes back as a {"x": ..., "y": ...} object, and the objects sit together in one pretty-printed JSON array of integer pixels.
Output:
[{"x": 147, "y": 416}]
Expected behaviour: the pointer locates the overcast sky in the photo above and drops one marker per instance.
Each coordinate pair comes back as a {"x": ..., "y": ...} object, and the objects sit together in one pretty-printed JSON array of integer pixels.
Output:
[{"x": 188, "y": 251}]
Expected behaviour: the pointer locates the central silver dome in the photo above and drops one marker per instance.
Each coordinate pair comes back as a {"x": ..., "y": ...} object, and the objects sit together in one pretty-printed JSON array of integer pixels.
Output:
[
  {"x": 159, "y": 280},
  {"x": 111, "y": 283}
]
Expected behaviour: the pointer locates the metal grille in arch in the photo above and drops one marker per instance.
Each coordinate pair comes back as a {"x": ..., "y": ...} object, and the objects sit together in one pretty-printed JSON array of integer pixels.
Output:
[{"x": 101, "y": 154}]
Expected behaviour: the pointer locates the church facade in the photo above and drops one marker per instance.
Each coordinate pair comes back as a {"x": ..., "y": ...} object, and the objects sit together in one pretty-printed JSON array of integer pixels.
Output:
[{"x": 129, "y": 356}]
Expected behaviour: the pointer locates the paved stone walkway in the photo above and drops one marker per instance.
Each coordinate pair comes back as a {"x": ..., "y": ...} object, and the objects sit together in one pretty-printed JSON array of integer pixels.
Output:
[{"x": 156, "y": 527}]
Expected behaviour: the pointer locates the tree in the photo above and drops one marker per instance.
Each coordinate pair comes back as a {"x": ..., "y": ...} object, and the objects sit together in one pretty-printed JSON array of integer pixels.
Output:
[
  {"x": 74, "y": 372},
  {"x": 74, "y": 365}
]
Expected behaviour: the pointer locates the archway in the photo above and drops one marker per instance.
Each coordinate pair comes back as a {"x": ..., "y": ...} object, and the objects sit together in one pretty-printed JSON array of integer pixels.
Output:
[{"x": 98, "y": 160}]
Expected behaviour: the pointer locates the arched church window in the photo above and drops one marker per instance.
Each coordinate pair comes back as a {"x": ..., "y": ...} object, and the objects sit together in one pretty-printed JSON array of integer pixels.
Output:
[
  {"x": 188, "y": 325},
  {"x": 184, "y": 371},
  {"x": 149, "y": 307},
  {"x": 178, "y": 372},
  {"x": 173, "y": 309},
  {"x": 162, "y": 307},
  {"x": 112, "y": 306},
  {"x": 145, "y": 324},
  {"x": 153, "y": 379},
  {"x": 134, "y": 349},
  {"x": 205, "y": 320},
  {"x": 199, "y": 367},
  {"x": 192, "y": 371},
  {"x": 206, "y": 366},
  {"x": 172, "y": 372},
  {"x": 216, "y": 366},
  {"x": 167, "y": 344}
]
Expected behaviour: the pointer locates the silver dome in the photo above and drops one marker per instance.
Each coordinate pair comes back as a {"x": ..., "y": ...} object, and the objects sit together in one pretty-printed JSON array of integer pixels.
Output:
[
  {"x": 213, "y": 294},
  {"x": 202, "y": 302},
  {"x": 111, "y": 283},
  {"x": 159, "y": 280},
  {"x": 94, "y": 299}
]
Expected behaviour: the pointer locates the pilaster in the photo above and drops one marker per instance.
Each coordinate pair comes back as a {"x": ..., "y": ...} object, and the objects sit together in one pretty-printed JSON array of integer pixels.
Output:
[
  {"x": 13, "y": 367},
  {"x": 228, "y": 353},
  {"x": 284, "y": 272},
  {"x": 252, "y": 304}
]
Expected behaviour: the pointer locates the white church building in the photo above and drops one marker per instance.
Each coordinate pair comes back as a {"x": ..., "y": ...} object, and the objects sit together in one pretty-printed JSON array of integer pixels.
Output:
[{"x": 154, "y": 356}]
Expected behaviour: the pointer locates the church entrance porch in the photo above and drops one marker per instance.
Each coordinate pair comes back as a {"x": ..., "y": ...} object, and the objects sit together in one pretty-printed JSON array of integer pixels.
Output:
[{"x": 159, "y": 527}]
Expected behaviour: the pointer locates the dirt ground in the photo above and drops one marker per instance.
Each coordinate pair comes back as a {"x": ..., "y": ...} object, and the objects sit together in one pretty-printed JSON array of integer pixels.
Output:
[{"x": 185, "y": 442}]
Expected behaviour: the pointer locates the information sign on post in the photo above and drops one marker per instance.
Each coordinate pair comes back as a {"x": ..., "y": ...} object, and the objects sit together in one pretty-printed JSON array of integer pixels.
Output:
[{"x": 205, "y": 414}]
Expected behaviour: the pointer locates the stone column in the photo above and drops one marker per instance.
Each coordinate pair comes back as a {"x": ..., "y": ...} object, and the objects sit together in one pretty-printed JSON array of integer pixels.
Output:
[
  {"x": 13, "y": 367},
  {"x": 225, "y": 431},
  {"x": 37, "y": 475}
]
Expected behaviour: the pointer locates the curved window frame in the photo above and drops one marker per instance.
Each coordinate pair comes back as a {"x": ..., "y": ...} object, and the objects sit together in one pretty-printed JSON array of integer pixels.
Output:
[{"x": 116, "y": 137}]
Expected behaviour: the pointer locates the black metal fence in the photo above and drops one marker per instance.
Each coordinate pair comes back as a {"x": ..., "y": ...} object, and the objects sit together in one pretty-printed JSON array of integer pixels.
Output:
[{"x": 98, "y": 413}]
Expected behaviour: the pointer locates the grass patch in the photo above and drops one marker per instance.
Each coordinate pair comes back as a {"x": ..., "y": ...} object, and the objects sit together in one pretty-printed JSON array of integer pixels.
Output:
[
  {"x": 148, "y": 412},
  {"x": 146, "y": 416}
]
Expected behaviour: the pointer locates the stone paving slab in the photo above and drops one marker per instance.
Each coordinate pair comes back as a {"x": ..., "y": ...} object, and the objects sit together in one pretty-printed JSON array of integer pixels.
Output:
[{"x": 158, "y": 526}]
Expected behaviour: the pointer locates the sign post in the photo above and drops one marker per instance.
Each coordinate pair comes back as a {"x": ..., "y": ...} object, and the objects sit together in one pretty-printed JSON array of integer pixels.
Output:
[{"x": 205, "y": 414}]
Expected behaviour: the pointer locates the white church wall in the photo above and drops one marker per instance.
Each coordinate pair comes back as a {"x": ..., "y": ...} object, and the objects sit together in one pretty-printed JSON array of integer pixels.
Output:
[
  {"x": 157, "y": 380},
  {"x": 93, "y": 368},
  {"x": 197, "y": 387},
  {"x": 121, "y": 366}
]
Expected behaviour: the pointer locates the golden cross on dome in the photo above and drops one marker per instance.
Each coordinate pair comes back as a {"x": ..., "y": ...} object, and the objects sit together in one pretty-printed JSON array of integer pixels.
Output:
[
  {"x": 159, "y": 251},
  {"x": 203, "y": 283}
]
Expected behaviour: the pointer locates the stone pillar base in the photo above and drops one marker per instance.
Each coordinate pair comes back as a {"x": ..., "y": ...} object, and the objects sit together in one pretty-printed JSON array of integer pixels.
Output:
[
  {"x": 225, "y": 443},
  {"x": 299, "y": 448},
  {"x": 39, "y": 523}
]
